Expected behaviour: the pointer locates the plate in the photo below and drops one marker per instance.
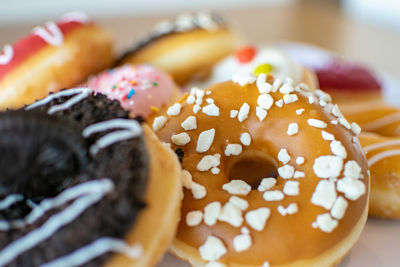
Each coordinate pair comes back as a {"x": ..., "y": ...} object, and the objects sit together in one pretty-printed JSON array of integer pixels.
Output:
[{"x": 380, "y": 241}]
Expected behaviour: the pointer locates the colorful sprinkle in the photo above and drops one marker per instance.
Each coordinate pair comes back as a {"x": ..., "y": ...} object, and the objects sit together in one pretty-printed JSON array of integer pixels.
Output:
[
  {"x": 155, "y": 83},
  {"x": 131, "y": 93},
  {"x": 263, "y": 68},
  {"x": 246, "y": 54},
  {"x": 155, "y": 109}
]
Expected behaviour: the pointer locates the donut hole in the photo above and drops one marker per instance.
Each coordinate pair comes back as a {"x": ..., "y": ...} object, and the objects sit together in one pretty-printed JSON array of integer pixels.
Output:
[{"x": 252, "y": 167}]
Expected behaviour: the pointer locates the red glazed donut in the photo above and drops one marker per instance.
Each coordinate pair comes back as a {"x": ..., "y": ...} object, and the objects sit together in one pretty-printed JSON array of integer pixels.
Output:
[{"x": 38, "y": 63}]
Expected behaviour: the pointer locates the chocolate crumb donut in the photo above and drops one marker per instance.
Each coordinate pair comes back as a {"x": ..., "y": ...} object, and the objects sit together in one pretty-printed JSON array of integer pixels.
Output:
[{"x": 74, "y": 182}]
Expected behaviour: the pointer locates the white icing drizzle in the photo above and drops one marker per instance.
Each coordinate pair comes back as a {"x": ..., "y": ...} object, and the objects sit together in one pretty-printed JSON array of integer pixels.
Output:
[
  {"x": 381, "y": 122},
  {"x": 360, "y": 108},
  {"x": 77, "y": 16},
  {"x": 50, "y": 33},
  {"x": 7, "y": 54},
  {"x": 81, "y": 93},
  {"x": 383, "y": 155},
  {"x": 131, "y": 129},
  {"x": 10, "y": 200},
  {"x": 95, "y": 249},
  {"x": 38, "y": 210},
  {"x": 381, "y": 145},
  {"x": 47, "y": 229}
]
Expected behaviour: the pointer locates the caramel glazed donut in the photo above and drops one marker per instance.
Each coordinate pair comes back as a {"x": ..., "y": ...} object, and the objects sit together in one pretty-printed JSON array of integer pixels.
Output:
[
  {"x": 37, "y": 64},
  {"x": 81, "y": 185},
  {"x": 268, "y": 182},
  {"x": 380, "y": 140},
  {"x": 185, "y": 47}
]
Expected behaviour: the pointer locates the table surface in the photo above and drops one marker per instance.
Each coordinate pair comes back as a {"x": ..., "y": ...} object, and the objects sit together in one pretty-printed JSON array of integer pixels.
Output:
[{"x": 322, "y": 25}]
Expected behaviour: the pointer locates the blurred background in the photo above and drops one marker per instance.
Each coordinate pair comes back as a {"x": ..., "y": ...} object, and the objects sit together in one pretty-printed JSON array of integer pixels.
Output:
[{"x": 364, "y": 30}]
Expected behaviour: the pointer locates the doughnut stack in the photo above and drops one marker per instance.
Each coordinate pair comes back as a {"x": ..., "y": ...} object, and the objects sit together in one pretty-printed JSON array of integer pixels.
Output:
[{"x": 228, "y": 155}]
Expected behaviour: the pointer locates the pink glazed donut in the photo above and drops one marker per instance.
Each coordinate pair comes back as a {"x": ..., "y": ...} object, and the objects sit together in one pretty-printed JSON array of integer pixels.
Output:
[{"x": 141, "y": 89}]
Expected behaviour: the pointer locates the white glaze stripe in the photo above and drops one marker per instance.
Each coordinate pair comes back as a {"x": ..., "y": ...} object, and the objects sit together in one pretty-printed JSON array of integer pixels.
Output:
[
  {"x": 361, "y": 108},
  {"x": 77, "y": 16},
  {"x": 95, "y": 249},
  {"x": 30, "y": 240},
  {"x": 7, "y": 55},
  {"x": 131, "y": 129},
  {"x": 10, "y": 200},
  {"x": 381, "y": 122},
  {"x": 383, "y": 155},
  {"x": 67, "y": 195},
  {"x": 81, "y": 93},
  {"x": 50, "y": 33},
  {"x": 381, "y": 145}
]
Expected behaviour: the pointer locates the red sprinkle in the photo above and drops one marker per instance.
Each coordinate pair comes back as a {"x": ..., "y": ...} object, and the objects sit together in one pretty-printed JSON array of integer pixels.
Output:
[{"x": 246, "y": 54}]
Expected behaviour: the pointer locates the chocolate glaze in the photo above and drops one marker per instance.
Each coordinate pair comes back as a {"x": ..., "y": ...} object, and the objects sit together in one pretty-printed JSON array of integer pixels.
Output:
[
  {"x": 39, "y": 146},
  {"x": 179, "y": 152},
  {"x": 185, "y": 22}
]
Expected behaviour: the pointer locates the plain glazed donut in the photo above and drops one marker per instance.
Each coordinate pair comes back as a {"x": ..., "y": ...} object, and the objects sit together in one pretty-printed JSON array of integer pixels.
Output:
[
  {"x": 312, "y": 203},
  {"x": 39, "y": 63},
  {"x": 83, "y": 185},
  {"x": 141, "y": 89},
  {"x": 383, "y": 154},
  {"x": 186, "y": 47},
  {"x": 249, "y": 59}
]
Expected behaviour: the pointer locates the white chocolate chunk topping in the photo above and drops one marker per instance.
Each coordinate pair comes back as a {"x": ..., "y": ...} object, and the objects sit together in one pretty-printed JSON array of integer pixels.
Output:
[
  {"x": 265, "y": 101},
  {"x": 159, "y": 122},
  {"x": 352, "y": 188},
  {"x": 291, "y": 188},
  {"x": 261, "y": 113},
  {"x": 180, "y": 139},
  {"x": 328, "y": 166},
  {"x": 245, "y": 139},
  {"x": 326, "y": 223},
  {"x": 211, "y": 110},
  {"x": 283, "y": 156},
  {"x": 205, "y": 140},
  {"x": 231, "y": 214},
  {"x": 242, "y": 242},
  {"x": 194, "y": 218},
  {"x": 174, "y": 110},
  {"x": 240, "y": 203},
  {"x": 286, "y": 171},
  {"x": 212, "y": 212},
  {"x": 233, "y": 149},
  {"x": 339, "y": 208},
  {"x": 208, "y": 162},
  {"x": 189, "y": 124},
  {"x": 258, "y": 218},
  {"x": 352, "y": 169},
  {"x": 212, "y": 249},
  {"x": 266, "y": 184},
  {"x": 237, "y": 187},
  {"x": 243, "y": 112},
  {"x": 317, "y": 123},
  {"x": 324, "y": 194},
  {"x": 273, "y": 195},
  {"x": 293, "y": 128}
]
